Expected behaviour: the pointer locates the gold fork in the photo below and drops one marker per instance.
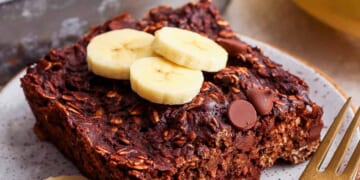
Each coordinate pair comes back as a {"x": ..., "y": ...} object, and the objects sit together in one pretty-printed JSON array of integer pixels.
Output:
[{"x": 331, "y": 172}]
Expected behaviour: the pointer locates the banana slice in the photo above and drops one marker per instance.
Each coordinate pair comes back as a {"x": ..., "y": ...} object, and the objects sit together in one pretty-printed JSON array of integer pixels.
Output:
[
  {"x": 111, "y": 54},
  {"x": 161, "y": 81},
  {"x": 189, "y": 49}
]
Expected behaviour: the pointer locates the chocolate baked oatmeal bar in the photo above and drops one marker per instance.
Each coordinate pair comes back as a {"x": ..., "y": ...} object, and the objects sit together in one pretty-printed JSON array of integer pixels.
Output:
[{"x": 109, "y": 132}]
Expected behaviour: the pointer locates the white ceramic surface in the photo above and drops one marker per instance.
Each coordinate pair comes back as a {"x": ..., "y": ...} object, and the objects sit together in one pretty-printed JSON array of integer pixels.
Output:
[{"x": 23, "y": 156}]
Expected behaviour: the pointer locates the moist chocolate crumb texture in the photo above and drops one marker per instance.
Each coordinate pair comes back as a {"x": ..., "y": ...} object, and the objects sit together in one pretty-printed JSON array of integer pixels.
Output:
[{"x": 246, "y": 117}]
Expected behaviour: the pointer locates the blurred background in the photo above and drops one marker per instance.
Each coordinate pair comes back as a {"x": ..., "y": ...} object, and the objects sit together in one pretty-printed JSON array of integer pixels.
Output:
[{"x": 323, "y": 35}]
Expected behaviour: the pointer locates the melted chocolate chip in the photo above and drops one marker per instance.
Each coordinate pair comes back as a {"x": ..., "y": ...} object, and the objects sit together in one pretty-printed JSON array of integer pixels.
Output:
[
  {"x": 232, "y": 46},
  {"x": 262, "y": 99},
  {"x": 242, "y": 114},
  {"x": 244, "y": 142},
  {"x": 314, "y": 132}
]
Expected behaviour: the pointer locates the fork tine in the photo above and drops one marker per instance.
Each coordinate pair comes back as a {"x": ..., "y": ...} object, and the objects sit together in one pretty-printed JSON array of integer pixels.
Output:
[
  {"x": 319, "y": 155},
  {"x": 353, "y": 163},
  {"x": 340, "y": 151}
]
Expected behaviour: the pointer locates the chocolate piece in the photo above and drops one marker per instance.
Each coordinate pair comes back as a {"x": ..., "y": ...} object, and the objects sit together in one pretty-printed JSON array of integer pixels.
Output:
[
  {"x": 233, "y": 46},
  {"x": 242, "y": 114},
  {"x": 122, "y": 21},
  {"x": 262, "y": 99},
  {"x": 245, "y": 142},
  {"x": 111, "y": 133},
  {"x": 314, "y": 132}
]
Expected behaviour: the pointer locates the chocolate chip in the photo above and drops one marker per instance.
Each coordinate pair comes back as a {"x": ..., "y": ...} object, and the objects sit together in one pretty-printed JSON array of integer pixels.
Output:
[
  {"x": 242, "y": 114},
  {"x": 232, "y": 46},
  {"x": 314, "y": 132},
  {"x": 244, "y": 142},
  {"x": 262, "y": 99},
  {"x": 268, "y": 123}
]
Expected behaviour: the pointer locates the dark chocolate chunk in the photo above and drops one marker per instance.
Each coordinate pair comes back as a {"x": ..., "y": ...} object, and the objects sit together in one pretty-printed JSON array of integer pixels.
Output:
[
  {"x": 262, "y": 99},
  {"x": 314, "y": 132},
  {"x": 122, "y": 21},
  {"x": 242, "y": 114},
  {"x": 244, "y": 142},
  {"x": 232, "y": 46}
]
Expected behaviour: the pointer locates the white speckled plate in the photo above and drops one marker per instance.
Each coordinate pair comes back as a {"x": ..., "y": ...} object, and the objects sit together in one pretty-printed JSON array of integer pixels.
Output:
[{"x": 23, "y": 156}]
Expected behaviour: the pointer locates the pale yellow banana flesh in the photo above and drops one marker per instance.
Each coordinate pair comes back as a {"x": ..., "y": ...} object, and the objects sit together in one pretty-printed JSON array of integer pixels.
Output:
[
  {"x": 110, "y": 54},
  {"x": 163, "y": 82},
  {"x": 189, "y": 49}
]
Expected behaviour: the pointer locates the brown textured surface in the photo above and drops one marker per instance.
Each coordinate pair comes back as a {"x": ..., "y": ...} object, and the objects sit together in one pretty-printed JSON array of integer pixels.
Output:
[{"x": 111, "y": 133}]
